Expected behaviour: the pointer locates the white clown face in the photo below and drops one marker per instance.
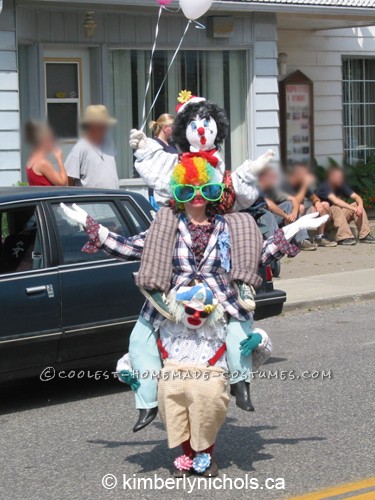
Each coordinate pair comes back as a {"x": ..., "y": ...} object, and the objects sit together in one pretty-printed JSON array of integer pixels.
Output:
[
  {"x": 201, "y": 134},
  {"x": 195, "y": 315}
]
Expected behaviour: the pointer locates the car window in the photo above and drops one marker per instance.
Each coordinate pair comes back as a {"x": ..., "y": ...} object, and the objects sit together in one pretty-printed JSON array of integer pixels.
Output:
[
  {"x": 20, "y": 242},
  {"x": 136, "y": 216},
  {"x": 73, "y": 237}
]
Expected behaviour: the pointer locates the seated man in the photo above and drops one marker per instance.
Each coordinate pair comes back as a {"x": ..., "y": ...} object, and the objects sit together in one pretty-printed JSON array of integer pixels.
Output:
[
  {"x": 301, "y": 183},
  {"x": 334, "y": 190},
  {"x": 283, "y": 208}
]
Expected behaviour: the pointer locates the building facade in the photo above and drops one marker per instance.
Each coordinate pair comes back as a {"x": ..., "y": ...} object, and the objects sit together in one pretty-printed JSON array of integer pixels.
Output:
[{"x": 49, "y": 68}]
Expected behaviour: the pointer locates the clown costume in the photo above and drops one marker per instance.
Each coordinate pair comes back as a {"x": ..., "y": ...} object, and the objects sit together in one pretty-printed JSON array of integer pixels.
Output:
[{"x": 209, "y": 251}]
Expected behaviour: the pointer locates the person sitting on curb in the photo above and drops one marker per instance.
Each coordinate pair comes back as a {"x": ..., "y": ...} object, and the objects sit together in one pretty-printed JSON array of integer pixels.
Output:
[
  {"x": 334, "y": 190},
  {"x": 283, "y": 209},
  {"x": 301, "y": 183}
]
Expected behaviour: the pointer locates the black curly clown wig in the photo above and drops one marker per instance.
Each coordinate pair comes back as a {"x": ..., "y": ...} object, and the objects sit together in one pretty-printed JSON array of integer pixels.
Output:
[{"x": 205, "y": 110}]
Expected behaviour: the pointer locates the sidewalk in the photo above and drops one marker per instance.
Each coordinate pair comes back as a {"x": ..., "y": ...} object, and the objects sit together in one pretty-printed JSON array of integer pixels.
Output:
[
  {"x": 328, "y": 275},
  {"x": 327, "y": 289}
]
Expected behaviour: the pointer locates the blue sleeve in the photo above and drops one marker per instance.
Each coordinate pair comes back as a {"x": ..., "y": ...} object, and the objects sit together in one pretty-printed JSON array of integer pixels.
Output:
[{"x": 346, "y": 191}]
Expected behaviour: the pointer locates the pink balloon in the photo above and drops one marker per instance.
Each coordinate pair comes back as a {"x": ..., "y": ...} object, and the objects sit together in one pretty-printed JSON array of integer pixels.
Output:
[{"x": 164, "y": 2}]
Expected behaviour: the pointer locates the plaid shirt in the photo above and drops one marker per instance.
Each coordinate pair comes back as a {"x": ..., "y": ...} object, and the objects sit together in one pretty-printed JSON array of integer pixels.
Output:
[{"x": 213, "y": 269}]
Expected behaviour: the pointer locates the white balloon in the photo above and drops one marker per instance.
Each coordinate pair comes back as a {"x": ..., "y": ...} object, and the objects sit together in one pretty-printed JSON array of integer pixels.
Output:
[{"x": 193, "y": 9}]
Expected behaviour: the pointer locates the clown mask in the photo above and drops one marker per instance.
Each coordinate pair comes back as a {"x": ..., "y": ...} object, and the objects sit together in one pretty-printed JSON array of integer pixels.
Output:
[
  {"x": 195, "y": 304},
  {"x": 195, "y": 315},
  {"x": 201, "y": 134}
]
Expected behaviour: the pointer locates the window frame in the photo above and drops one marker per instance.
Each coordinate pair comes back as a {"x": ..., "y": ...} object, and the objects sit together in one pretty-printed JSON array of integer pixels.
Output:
[
  {"x": 69, "y": 100},
  {"x": 127, "y": 200},
  {"x": 135, "y": 111},
  {"x": 351, "y": 153},
  {"x": 81, "y": 201},
  {"x": 43, "y": 233}
]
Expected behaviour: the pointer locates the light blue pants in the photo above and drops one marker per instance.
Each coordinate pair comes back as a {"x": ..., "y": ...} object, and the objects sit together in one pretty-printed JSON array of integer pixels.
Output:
[
  {"x": 239, "y": 366},
  {"x": 145, "y": 358}
]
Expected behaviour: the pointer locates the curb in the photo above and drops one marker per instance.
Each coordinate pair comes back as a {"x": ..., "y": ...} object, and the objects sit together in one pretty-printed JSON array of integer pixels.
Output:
[{"x": 329, "y": 301}]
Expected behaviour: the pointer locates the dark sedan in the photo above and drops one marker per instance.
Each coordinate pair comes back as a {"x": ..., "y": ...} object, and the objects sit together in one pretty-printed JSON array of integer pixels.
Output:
[{"x": 63, "y": 308}]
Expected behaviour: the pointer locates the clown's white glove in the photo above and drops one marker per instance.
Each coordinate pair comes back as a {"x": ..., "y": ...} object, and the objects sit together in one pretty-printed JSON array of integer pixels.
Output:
[
  {"x": 78, "y": 215},
  {"x": 138, "y": 139},
  {"x": 75, "y": 213},
  {"x": 257, "y": 166},
  {"x": 309, "y": 221}
]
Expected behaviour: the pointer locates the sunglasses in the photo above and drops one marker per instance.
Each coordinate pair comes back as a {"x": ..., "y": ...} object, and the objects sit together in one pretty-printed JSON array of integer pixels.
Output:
[
  {"x": 184, "y": 193},
  {"x": 191, "y": 311}
]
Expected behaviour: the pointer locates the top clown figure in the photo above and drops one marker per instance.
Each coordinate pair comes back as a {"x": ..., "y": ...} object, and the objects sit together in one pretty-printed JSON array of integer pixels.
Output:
[{"x": 200, "y": 129}]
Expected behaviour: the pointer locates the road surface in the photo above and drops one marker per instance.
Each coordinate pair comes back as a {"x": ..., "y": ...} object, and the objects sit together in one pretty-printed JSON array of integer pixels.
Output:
[{"x": 60, "y": 438}]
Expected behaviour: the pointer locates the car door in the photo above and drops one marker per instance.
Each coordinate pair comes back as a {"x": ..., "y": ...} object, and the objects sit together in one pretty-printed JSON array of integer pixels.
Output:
[
  {"x": 29, "y": 289},
  {"x": 100, "y": 302}
]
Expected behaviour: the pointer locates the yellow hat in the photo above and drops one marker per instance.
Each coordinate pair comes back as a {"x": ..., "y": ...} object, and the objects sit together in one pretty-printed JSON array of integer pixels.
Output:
[{"x": 97, "y": 114}]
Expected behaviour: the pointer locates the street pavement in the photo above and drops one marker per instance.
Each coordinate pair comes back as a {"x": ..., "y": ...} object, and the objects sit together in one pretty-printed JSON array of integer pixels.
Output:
[{"x": 59, "y": 438}]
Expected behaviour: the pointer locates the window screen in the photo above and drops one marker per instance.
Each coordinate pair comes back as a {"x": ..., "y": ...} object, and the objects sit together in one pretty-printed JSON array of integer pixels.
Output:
[
  {"x": 62, "y": 80},
  {"x": 359, "y": 109},
  {"x": 63, "y": 97}
]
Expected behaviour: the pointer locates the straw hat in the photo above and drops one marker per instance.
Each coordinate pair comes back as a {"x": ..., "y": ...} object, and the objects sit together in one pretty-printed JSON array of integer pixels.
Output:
[{"x": 97, "y": 114}]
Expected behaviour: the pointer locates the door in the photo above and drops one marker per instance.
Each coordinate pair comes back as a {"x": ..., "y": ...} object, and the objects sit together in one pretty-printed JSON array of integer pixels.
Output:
[
  {"x": 67, "y": 91},
  {"x": 30, "y": 293},
  {"x": 100, "y": 302}
]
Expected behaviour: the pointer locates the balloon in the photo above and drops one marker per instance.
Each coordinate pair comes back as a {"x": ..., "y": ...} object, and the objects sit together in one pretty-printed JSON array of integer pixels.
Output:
[
  {"x": 193, "y": 9},
  {"x": 164, "y": 2}
]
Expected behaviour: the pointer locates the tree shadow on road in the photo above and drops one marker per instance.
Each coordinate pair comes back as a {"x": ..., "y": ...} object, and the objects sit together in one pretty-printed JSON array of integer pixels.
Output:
[{"x": 237, "y": 446}]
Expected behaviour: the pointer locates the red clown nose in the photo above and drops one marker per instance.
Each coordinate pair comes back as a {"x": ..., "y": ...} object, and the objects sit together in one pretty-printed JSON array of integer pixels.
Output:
[{"x": 201, "y": 131}]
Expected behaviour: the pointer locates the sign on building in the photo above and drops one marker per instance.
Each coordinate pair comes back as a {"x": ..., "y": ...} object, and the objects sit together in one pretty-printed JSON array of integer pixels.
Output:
[{"x": 297, "y": 119}]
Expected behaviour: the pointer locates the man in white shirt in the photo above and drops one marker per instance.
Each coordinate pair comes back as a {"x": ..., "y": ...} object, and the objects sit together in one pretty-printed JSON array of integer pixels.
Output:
[{"x": 91, "y": 163}]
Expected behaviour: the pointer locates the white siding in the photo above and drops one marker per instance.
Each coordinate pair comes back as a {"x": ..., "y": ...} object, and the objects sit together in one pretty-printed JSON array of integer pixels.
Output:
[
  {"x": 10, "y": 163},
  {"x": 255, "y": 32},
  {"x": 319, "y": 56},
  {"x": 127, "y": 28},
  {"x": 265, "y": 85}
]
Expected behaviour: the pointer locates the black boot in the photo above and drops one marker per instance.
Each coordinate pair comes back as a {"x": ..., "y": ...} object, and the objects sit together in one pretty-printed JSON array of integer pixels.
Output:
[
  {"x": 241, "y": 391},
  {"x": 145, "y": 417}
]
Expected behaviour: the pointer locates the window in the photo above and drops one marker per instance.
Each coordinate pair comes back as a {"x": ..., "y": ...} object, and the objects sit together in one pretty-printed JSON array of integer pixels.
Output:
[
  {"x": 20, "y": 242},
  {"x": 359, "y": 109},
  {"x": 73, "y": 237},
  {"x": 137, "y": 219},
  {"x": 63, "y": 97},
  {"x": 217, "y": 75}
]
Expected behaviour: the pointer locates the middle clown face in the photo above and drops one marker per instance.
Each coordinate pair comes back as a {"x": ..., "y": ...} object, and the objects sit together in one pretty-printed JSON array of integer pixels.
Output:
[
  {"x": 201, "y": 134},
  {"x": 195, "y": 315}
]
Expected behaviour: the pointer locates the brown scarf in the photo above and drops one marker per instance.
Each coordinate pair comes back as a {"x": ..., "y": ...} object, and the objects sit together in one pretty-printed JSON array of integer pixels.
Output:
[{"x": 156, "y": 268}]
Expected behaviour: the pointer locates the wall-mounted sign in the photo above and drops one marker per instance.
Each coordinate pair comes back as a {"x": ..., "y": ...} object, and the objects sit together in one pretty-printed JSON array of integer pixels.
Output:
[{"x": 297, "y": 119}]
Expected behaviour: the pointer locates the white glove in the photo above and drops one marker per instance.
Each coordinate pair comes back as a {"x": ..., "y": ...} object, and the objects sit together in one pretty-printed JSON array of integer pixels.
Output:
[
  {"x": 257, "y": 166},
  {"x": 75, "y": 213},
  {"x": 78, "y": 215},
  {"x": 309, "y": 221},
  {"x": 138, "y": 139}
]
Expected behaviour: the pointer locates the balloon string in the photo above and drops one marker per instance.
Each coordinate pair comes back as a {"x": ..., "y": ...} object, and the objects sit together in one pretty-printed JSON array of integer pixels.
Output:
[
  {"x": 151, "y": 65},
  {"x": 172, "y": 10},
  {"x": 166, "y": 75}
]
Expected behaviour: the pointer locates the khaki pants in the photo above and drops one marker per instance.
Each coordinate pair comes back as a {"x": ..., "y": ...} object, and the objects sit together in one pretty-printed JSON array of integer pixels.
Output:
[
  {"x": 340, "y": 218},
  {"x": 193, "y": 402}
]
